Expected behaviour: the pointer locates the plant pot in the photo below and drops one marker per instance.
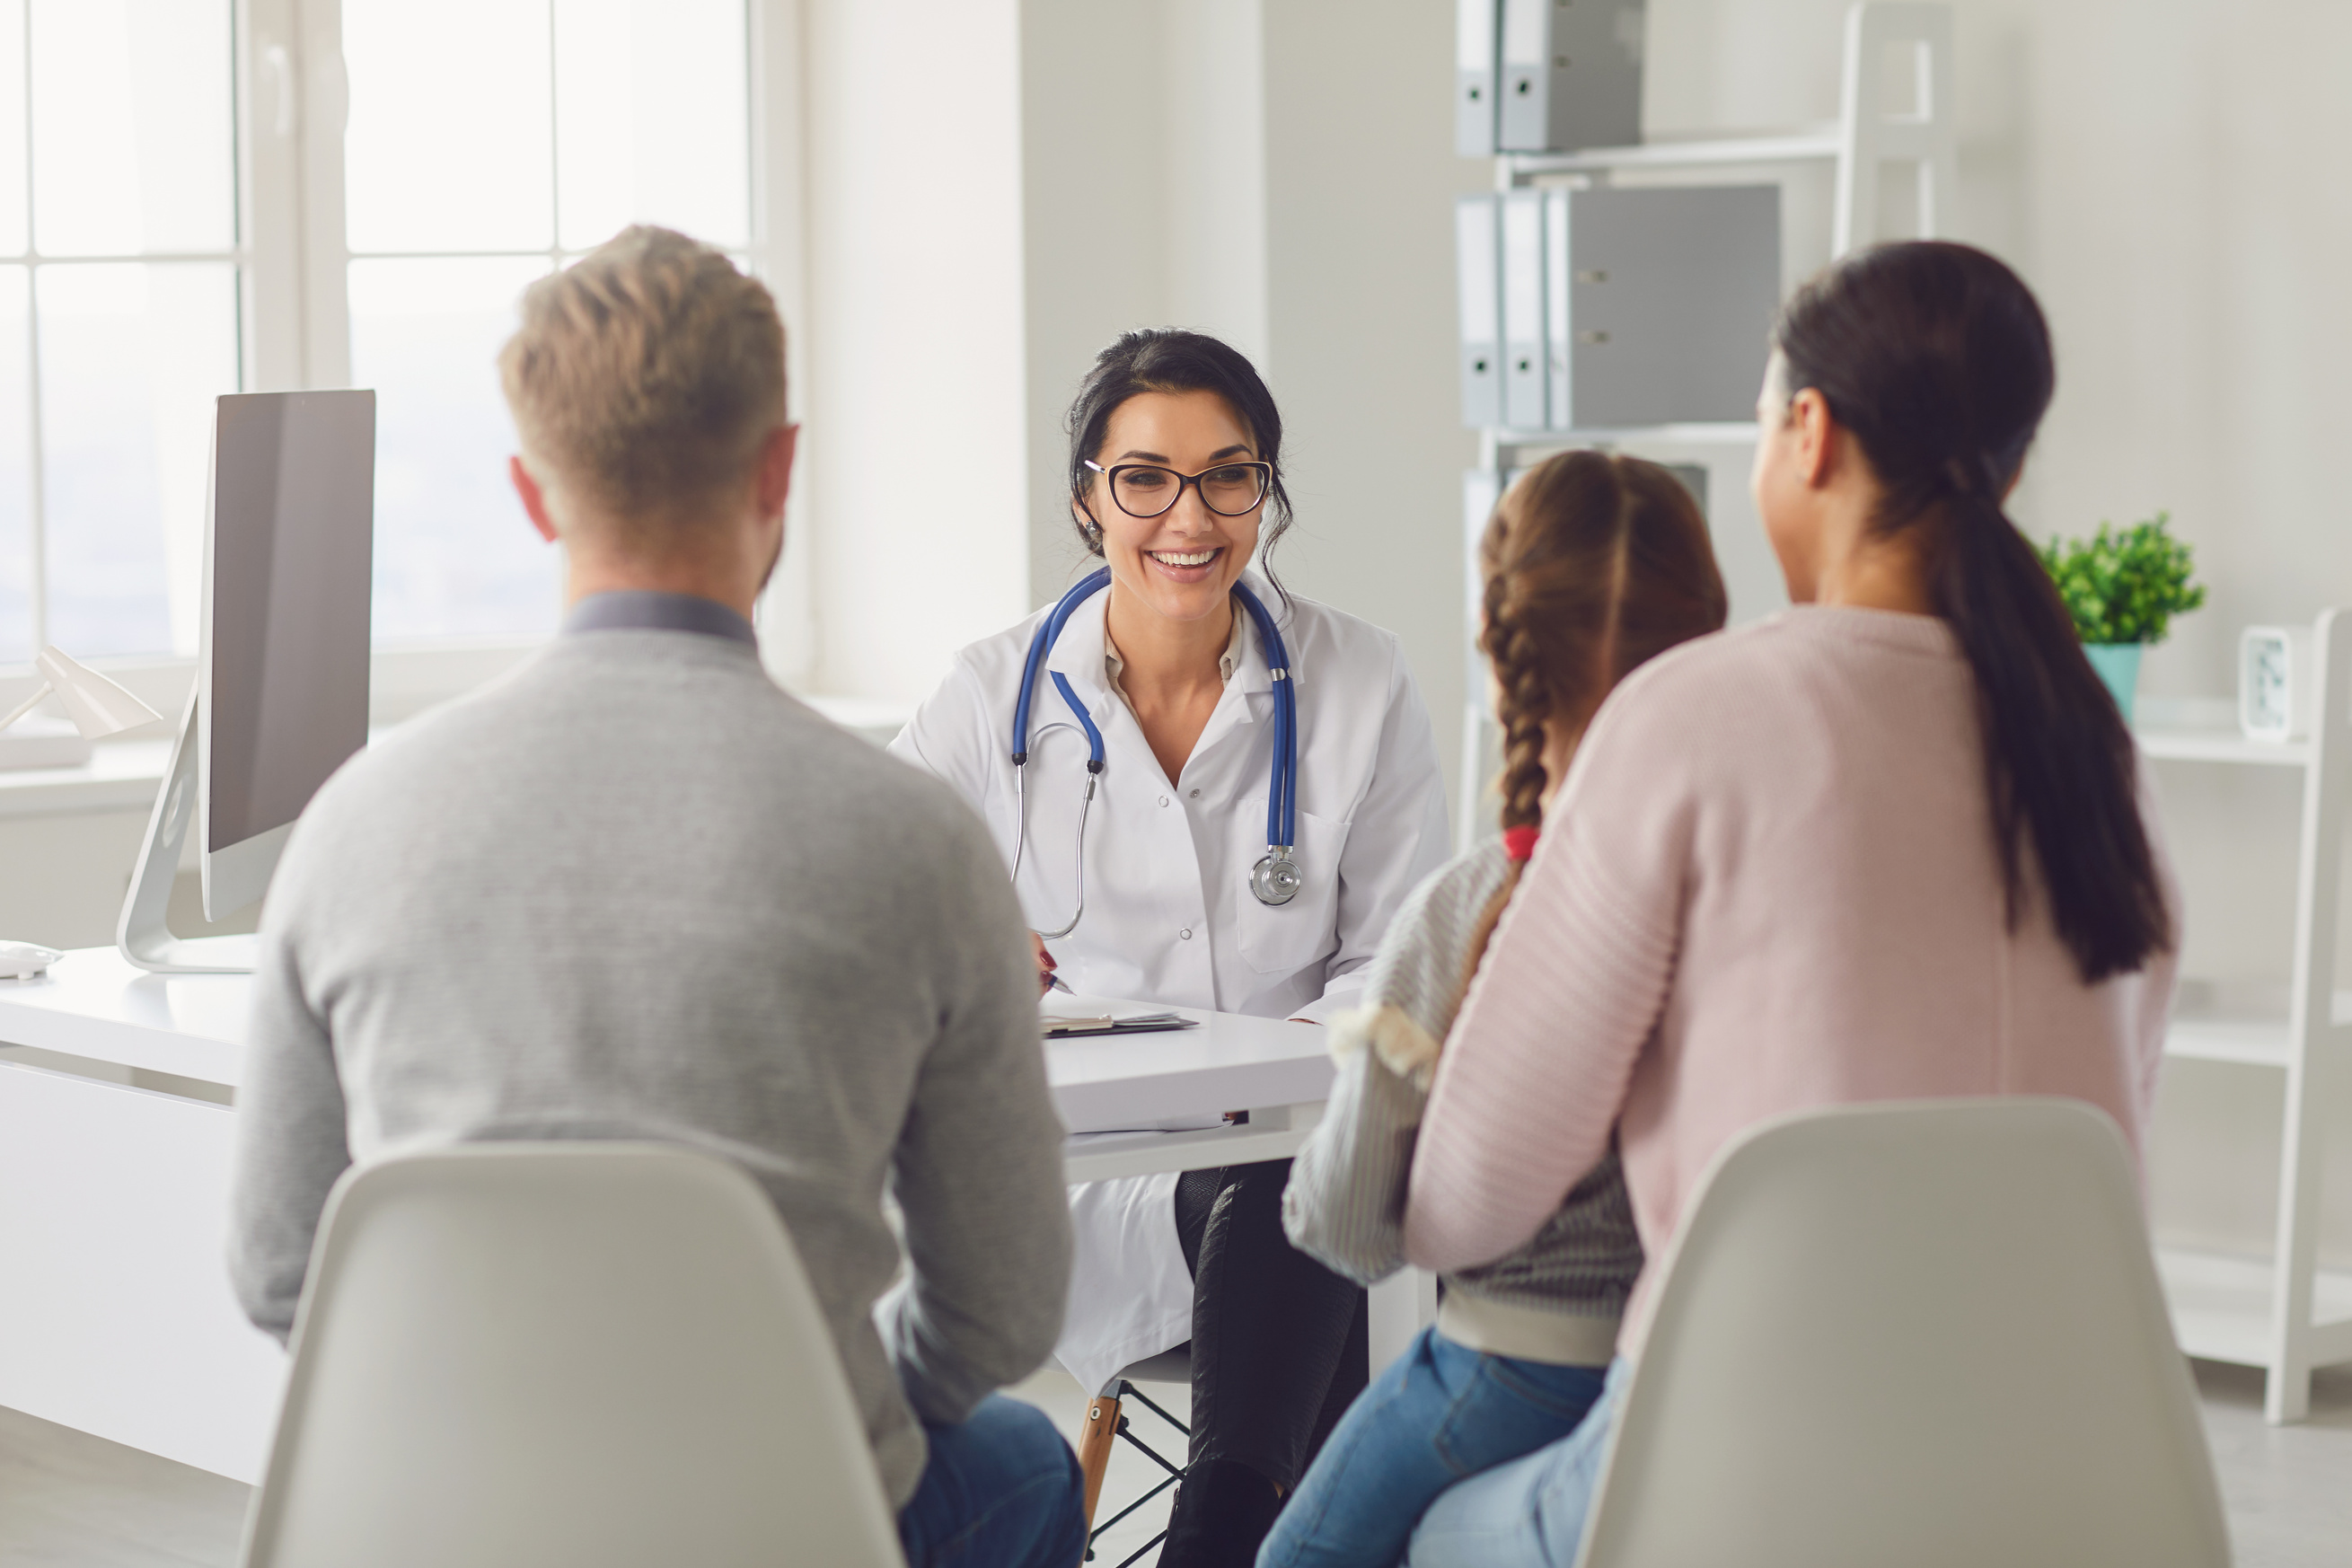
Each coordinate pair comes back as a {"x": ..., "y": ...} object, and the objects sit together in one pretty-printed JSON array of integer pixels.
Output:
[{"x": 2119, "y": 665}]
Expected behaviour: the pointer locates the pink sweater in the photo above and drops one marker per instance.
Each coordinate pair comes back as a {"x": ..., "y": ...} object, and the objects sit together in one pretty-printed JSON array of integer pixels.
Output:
[{"x": 1768, "y": 883}]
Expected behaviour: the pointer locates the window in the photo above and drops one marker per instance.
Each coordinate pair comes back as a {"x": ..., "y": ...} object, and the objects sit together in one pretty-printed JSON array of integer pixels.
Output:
[
  {"x": 170, "y": 189},
  {"x": 119, "y": 282},
  {"x": 468, "y": 172}
]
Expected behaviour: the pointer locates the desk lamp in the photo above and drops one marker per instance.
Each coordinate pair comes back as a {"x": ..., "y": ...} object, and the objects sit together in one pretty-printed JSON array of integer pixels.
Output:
[{"x": 98, "y": 708}]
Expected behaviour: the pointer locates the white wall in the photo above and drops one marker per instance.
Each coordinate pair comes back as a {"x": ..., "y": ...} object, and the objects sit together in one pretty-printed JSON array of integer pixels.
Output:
[
  {"x": 1144, "y": 157},
  {"x": 1094, "y": 139},
  {"x": 914, "y": 452}
]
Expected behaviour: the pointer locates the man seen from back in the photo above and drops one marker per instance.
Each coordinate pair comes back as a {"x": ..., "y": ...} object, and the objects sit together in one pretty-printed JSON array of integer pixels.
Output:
[{"x": 826, "y": 978}]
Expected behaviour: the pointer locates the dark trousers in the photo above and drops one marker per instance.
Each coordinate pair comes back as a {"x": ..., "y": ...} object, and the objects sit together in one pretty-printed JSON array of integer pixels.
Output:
[{"x": 1279, "y": 1341}]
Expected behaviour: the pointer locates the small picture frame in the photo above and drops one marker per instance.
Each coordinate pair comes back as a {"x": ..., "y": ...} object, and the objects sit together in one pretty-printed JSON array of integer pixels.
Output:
[{"x": 2277, "y": 682}]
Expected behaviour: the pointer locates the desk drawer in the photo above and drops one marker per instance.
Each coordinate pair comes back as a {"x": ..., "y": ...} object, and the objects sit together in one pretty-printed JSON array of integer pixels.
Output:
[{"x": 115, "y": 1311}]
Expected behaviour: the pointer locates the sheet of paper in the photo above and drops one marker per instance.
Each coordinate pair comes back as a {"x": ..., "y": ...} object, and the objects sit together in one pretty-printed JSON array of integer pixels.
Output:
[
  {"x": 1066, "y": 1016},
  {"x": 1055, "y": 1004}
]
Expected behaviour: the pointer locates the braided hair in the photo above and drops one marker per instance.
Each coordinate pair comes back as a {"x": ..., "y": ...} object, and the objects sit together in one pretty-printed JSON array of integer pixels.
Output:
[{"x": 1593, "y": 564}]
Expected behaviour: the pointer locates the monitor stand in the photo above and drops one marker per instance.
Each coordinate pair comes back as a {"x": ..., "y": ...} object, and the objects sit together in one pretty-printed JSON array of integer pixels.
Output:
[{"x": 144, "y": 933}]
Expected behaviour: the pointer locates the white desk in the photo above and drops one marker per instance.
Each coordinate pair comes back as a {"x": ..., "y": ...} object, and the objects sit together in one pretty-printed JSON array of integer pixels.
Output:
[{"x": 115, "y": 1311}]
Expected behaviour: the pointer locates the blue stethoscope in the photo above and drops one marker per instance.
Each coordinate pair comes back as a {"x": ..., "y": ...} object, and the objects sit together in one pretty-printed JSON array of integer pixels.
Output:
[{"x": 1276, "y": 878}]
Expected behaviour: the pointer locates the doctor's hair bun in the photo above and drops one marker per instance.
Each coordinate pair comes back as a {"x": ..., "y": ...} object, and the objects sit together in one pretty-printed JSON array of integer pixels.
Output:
[{"x": 1171, "y": 359}]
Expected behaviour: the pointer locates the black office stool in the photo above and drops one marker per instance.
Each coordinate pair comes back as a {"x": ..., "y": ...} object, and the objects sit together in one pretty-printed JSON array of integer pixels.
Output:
[{"x": 1105, "y": 1423}]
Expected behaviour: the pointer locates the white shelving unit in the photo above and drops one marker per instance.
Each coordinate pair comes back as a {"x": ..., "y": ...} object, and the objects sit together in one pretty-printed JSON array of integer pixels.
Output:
[
  {"x": 1876, "y": 126},
  {"x": 2285, "y": 1314},
  {"x": 2188, "y": 744}
]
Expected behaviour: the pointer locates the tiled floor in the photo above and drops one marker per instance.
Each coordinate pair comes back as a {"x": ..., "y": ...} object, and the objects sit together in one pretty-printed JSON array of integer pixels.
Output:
[
  {"x": 68, "y": 1501},
  {"x": 71, "y": 1500},
  {"x": 2288, "y": 1488}
]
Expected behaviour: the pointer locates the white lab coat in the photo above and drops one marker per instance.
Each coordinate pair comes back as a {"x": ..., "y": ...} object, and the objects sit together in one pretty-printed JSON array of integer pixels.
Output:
[{"x": 1169, "y": 917}]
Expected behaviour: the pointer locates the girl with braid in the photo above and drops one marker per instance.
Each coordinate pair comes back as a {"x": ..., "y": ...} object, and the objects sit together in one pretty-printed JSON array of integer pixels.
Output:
[{"x": 1592, "y": 565}]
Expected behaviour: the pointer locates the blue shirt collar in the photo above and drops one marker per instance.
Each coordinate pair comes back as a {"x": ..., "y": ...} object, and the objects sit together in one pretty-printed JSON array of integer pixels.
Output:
[{"x": 645, "y": 610}]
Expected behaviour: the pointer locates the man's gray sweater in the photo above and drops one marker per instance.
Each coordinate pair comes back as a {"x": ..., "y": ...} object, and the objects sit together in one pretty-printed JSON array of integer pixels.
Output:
[{"x": 636, "y": 891}]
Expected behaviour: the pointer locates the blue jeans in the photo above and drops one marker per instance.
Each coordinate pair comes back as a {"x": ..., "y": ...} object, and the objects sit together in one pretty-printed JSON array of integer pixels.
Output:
[
  {"x": 1529, "y": 1513},
  {"x": 1441, "y": 1413},
  {"x": 1001, "y": 1491}
]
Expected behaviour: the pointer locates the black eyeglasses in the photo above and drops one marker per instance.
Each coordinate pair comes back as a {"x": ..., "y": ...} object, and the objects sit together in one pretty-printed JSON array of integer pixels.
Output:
[{"x": 1146, "y": 490}]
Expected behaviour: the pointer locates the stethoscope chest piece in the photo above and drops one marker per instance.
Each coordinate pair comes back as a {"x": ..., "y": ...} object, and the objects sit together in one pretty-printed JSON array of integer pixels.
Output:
[{"x": 1276, "y": 879}]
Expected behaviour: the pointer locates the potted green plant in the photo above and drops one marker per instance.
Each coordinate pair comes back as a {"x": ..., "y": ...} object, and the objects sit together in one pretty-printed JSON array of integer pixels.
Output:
[{"x": 2123, "y": 586}]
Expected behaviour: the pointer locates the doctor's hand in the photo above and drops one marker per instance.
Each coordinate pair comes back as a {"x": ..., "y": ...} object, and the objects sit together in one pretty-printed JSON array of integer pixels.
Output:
[{"x": 1044, "y": 964}]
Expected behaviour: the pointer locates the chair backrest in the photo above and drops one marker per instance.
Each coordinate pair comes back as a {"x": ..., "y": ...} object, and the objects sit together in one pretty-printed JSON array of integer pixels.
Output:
[
  {"x": 583, "y": 1354},
  {"x": 1927, "y": 1333}
]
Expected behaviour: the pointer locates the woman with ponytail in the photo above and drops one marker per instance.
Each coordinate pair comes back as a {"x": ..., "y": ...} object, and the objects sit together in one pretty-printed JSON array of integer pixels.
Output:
[
  {"x": 1593, "y": 564},
  {"x": 1889, "y": 845}
]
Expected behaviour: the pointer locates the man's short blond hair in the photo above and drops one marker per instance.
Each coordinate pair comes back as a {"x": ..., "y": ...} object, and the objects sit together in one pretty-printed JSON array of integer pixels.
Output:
[{"x": 646, "y": 375}]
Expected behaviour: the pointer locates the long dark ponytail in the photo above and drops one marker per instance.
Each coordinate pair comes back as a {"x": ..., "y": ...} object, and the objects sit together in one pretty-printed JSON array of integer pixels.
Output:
[{"x": 1936, "y": 357}]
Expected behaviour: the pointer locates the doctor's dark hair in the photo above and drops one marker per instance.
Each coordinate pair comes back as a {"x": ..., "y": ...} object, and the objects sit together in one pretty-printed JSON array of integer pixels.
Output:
[
  {"x": 1592, "y": 566},
  {"x": 1171, "y": 359},
  {"x": 1935, "y": 357}
]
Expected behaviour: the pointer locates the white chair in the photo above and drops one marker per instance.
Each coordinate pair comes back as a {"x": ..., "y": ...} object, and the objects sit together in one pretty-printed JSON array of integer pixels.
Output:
[
  {"x": 1925, "y": 1333},
  {"x": 592, "y": 1355}
]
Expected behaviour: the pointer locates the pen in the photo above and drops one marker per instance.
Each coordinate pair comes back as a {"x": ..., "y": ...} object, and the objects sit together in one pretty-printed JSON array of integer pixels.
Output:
[{"x": 1055, "y": 981}]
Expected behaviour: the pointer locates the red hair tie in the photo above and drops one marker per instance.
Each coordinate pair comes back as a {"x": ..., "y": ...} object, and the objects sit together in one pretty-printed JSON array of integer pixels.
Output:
[{"x": 1520, "y": 843}]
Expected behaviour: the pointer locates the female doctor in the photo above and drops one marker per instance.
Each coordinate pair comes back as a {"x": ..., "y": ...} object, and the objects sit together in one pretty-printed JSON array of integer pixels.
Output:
[{"x": 1186, "y": 831}]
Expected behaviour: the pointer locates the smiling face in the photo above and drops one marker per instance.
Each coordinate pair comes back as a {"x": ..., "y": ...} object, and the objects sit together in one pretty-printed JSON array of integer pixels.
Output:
[{"x": 1183, "y": 563}]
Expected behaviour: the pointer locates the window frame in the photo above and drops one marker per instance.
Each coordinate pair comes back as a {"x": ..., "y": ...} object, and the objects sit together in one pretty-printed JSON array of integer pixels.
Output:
[
  {"x": 291, "y": 101},
  {"x": 17, "y": 675}
]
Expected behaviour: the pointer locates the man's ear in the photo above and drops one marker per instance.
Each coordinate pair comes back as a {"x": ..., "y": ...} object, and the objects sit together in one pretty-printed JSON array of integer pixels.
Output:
[
  {"x": 774, "y": 479},
  {"x": 534, "y": 501}
]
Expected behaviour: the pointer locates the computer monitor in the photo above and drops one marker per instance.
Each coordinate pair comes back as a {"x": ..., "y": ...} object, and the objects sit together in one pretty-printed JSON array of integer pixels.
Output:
[
  {"x": 282, "y": 677},
  {"x": 281, "y": 691}
]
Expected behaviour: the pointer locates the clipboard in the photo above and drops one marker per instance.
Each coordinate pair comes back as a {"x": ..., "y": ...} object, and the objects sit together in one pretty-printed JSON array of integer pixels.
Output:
[{"x": 1078, "y": 1027}]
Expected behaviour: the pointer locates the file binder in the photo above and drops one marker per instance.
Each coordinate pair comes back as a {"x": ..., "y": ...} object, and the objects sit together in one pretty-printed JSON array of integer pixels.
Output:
[
  {"x": 1559, "y": 394},
  {"x": 1475, "y": 45},
  {"x": 1481, "y": 488},
  {"x": 1671, "y": 295},
  {"x": 1571, "y": 74},
  {"x": 1692, "y": 478},
  {"x": 1475, "y": 222},
  {"x": 1524, "y": 352}
]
